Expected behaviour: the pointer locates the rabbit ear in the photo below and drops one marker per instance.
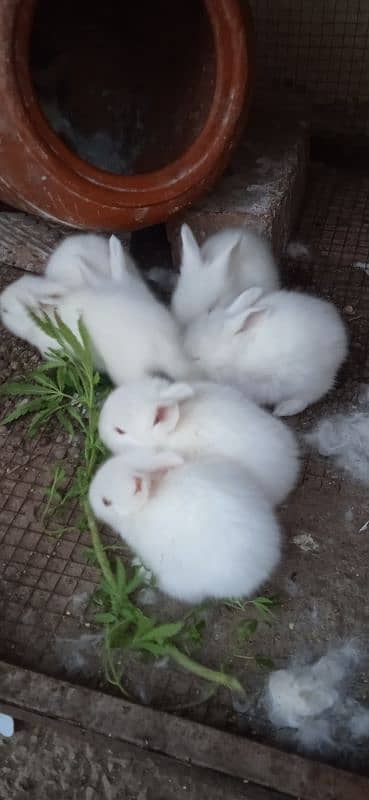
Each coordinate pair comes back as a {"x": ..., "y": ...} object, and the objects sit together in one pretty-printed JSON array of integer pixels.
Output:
[
  {"x": 191, "y": 256},
  {"x": 244, "y": 321},
  {"x": 118, "y": 260},
  {"x": 244, "y": 301},
  {"x": 176, "y": 393},
  {"x": 221, "y": 260},
  {"x": 166, "y": 416},
  {"x": 161, "y": 461}
]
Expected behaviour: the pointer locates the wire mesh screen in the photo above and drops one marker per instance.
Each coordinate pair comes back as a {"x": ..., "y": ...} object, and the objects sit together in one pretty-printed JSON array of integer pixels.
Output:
[{"x": 318, "y": 49}]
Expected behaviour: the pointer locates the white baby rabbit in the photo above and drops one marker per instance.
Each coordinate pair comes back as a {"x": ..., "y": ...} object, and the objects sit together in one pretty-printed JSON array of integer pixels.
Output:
[
  {"x": 132, "y": 334},
  {"x": 203, "y": 419},
  {"x": 228, "y": 262},
  {"x": 283, "y": 349},
  {"x": 35, "y": 293},
  {"x": 204, "y": 529},
  {"x": 83, "y": 253}
]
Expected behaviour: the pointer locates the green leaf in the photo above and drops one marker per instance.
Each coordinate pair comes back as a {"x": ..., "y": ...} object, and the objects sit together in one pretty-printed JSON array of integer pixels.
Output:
[
  {"x": 105, "y": 617},
  {"x": 76, "y": 415},
  {"x": 65, "y": 422},
  {"x": 135, "y": 582},
  {"x": 61, "y": 374},
  {"x": 265, "y": 604},
  {"x": 164, "y": 632},
  {"x": 38, "y": 420},
  {"x": 156, "y": 650},
  {"x": 23, "y": 389},
  {"x": 120, "y": 575},
  {"x": 70, "y": 339},
  {"x": 21, "y": 410},
  {"x": 43, "y": 380}
]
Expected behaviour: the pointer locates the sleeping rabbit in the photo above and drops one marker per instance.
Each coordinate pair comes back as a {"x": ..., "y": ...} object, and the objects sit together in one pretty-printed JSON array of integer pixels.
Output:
[
  {"x": 203, "y": 419},
  {"x": 283, "y": 349},
  {"x": 204, "y": 529},
  {"x": 132, "y": 334}
]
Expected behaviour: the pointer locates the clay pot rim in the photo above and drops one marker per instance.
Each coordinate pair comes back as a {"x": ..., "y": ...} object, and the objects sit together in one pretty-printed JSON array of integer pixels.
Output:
[{"x": 195, "y": 164}]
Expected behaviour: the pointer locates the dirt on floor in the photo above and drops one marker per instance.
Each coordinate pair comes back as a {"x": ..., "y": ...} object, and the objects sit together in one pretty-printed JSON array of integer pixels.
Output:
[
  {"x": 40, "y": 761},
  {"x": 46, "y": 583}
]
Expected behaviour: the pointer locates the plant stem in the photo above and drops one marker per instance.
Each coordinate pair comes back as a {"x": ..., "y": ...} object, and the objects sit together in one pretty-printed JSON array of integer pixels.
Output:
[
  {"x": 97, "y": 545},
  {"x": 211, "y": 675}
]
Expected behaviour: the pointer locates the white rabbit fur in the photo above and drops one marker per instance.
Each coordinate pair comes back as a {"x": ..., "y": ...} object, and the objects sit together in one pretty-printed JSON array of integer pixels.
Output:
[
  {"x": 131, "y": 333},
  {"x": 204, "y": 529},
  {"x": 35, "y": 293},
  {"x": 283, "y": 349},
  {"x": 203, "y": 419},
  {"x": 104, "y": 258},
  {"x": 214, "y": 274}
]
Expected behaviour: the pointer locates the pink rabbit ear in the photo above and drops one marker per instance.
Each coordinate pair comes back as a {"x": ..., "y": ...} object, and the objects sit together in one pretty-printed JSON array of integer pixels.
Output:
[
  {"x": 166, "y": 416},
  {"x": 243, "y": 322}
]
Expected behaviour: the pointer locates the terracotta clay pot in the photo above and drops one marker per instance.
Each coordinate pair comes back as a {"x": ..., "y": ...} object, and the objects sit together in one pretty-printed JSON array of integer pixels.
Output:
[{"x": 179, "y": 74}]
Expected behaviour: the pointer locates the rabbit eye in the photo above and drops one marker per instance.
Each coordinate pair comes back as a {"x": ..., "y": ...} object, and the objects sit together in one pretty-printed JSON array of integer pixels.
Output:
[
  {"x": 120, "y": 431},
  {"x": 138, "y": 485},
  {"x": 106, "y": 501}
]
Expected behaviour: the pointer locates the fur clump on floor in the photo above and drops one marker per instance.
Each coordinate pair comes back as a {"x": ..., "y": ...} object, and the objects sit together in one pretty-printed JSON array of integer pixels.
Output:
[
  {"x": 345, "y": 438},
  {"x": 311, "y": 703}
]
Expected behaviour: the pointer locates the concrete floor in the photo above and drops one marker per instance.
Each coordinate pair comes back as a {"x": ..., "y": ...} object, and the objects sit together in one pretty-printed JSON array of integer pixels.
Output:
[
  {"x": 322, "y": 581},
  {"x": 40, "y": 761}
]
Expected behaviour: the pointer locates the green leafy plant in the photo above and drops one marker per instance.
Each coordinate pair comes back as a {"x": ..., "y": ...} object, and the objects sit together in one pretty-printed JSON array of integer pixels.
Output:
[
  {"x": 128, "y": 628},
  {"x": 67, "y": 388},
  {"x": 247, "y": 627}
]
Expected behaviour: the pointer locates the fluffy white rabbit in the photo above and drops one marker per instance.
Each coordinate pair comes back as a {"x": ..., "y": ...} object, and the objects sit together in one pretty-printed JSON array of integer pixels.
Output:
[
  {"x": 228, "y": 262},
  {"x": 283, "y": 349},
  {"x": 203, "y": 419},
  {"x": 35, "y": 293},
  {"x": 132, "y": 334},
  {"x": 204, "y": 529},
  {"x": 81, "y": 253}
]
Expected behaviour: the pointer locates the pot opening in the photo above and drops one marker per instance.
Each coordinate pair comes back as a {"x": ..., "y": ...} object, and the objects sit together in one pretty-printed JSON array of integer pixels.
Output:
[{"x": 127, "y": 86}]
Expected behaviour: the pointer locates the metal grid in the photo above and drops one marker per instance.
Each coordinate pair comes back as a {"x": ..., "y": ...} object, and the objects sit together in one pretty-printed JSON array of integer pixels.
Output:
[
  {"x": 319, "y": 51},
  {"x": 46, "y": 583}
]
